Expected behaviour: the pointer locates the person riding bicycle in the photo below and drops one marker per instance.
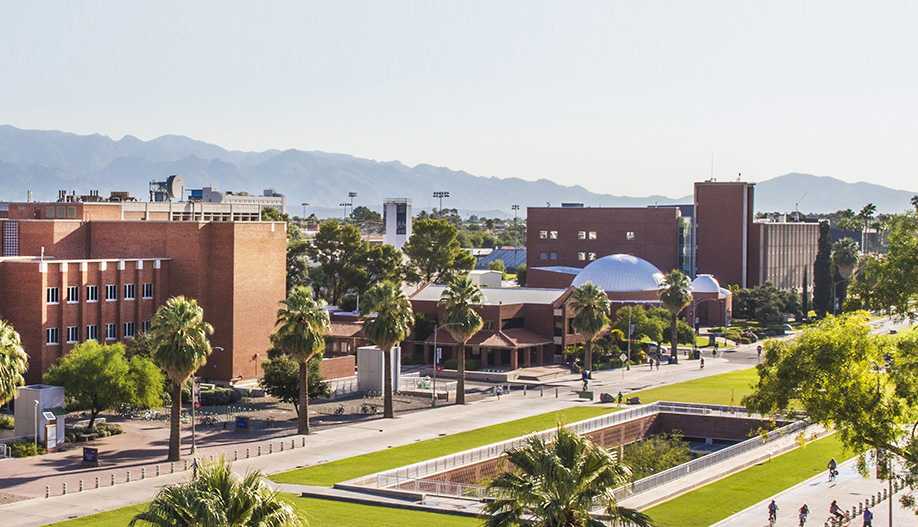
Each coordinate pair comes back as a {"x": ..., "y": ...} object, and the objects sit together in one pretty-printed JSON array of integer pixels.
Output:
[
  {"x": 833, "y": 468},
  {"x": 804, "y": 512},
  {"x": 835, "y": 510},
  {"x": 772, "y": 511}
]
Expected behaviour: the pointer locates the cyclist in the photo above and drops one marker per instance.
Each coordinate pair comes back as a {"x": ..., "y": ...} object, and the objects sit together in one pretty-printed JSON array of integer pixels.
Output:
[
  {"x": 836, "y": 511},
  {"x": 772, "y": 512},
  {"x": 804, "y": 512},
  {"x": 833, "y": 469}
]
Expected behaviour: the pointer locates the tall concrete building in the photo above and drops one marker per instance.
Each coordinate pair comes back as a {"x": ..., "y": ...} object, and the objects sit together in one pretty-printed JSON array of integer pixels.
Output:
[
  {"x": 75, "y": 271},
  {"x": 397, "y": 221},
  {"x": 724, "y": 215}
]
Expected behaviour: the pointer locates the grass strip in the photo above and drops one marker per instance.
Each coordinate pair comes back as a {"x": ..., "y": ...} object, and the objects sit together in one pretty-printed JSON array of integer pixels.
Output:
[{"x": 725, "y": 388}]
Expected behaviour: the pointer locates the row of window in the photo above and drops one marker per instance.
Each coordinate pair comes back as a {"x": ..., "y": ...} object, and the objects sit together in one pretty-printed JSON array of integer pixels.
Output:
[
  {"x": 52, "y": 335},
  {"x": 581, "y": 235},
  {"x": 53, "y": 294},
  {"x": 583, "y": 256}
]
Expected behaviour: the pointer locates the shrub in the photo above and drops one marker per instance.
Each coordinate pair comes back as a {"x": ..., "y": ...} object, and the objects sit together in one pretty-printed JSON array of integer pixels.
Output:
[
  {"x": 219, "y": 396},
  {"x": 7, "y": 422},
  {"x": 25, "y": 448}
]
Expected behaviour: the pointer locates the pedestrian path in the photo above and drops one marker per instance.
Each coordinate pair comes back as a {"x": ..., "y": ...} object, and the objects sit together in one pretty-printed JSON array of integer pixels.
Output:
[{"x": 817, "y": 493}]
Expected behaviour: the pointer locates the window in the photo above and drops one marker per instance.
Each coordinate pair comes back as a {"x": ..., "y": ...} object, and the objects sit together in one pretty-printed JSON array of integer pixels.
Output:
[
  {"x": 148, "y": 290},
  {"x": 543, "y": 235},
  {"x": 629, "y": 235},
  {"x": 92, "y": 332},
  {"x": 128, "y": 329},
  {"x": 591, "y": 256},
  {"x": 111, "y": 292},
  {"x": 543, "y": 256},
  {"x": 592, "y": 235},
  {"x": 52, "y": 336},
  {"x": 581, "y": 256},
  {"x": 92, "y": 293},
  {"x": 73, "y": 294},
  {"x": 54, "y": 295},
  {"x": 130, "y": 291},
  {"x": 73, "y": 334},
  {"x": 581, "y": 235},
  {"x": 146, "y": 325},
  {"x": 553, "y": 255},
  {"x": 111, "y": 332},
  {"x": 553, "y": 235}
]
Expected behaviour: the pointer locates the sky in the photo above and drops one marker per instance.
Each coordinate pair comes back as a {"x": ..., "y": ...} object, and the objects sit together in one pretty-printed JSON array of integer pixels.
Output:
[{"x": 624, "y": 97}]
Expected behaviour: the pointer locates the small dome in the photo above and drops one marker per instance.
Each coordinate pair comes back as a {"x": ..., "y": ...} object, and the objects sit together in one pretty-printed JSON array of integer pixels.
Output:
[
  {"x": 705, "y": 283},
  {"x": 620, "y": 273}
]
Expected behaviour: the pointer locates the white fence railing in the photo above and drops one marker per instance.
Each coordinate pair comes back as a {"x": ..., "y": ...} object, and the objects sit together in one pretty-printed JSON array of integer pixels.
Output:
[
  {"x": 429, "y": 468},
  {"x": 425, "y": 383}
]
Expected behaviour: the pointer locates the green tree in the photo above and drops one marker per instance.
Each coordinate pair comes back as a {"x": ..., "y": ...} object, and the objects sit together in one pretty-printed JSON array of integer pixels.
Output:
[
  {"x": 98, "y": 377},
  {"x": 302, "y": 323},
  {"x": 365, "y": 217},
  {"x": 521, "y": 272},
  {"x": 865, "y": 386},
  {"x": 805, "y": 295},
  {"x": 865, "y": 216},
  {"x": 645, "y": 326},
  {"x": 281, "y": 379},
  {"x": 498, "y": 265},
  {"x": 14, "y": 363},
  {"x": 656, "y": 454},
  {"x": 591, "y": 308},
  {"x": 435, "y": 252},
  {"x": 340, "y": 254},
  {"x": 676, "y": 295},
  {"x": 182, "y": 346},
  {"x": 217, "y": 497},
  {"x": 893, "y": 280},
  {"x": 558, "y": 484},
  {"x": 845, "y": 254},
  {"x": 390, "y": 321},
  {"x": 462, "y": 321},
  {"x": 822, "y": 272},
  {"x": 914, "y": 202}
]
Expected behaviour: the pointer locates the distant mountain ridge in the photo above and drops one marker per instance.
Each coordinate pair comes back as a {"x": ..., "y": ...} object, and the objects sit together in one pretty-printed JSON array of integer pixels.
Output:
[{"x": 47, "y": 161}]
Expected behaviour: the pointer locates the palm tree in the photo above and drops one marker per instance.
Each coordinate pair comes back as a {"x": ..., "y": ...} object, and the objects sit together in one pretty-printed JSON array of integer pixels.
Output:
[
  {"x": 302, "y": 323},
  {"x": 914, "y": 202},
  {"x": 217, "y": 497},
  {"x": 180, "y": 347},
  {"x": 591, "y": 316},
  {"x": 390, "y": 323},
  {"x": 558, "y": 484},
  {"x": 461, "y": 321},
  {"x": 865, "y": 215},
  {"x": 13, "y": 362},
  {"x": 676, "y": 295},
  {"x": 844, "y": 256}
]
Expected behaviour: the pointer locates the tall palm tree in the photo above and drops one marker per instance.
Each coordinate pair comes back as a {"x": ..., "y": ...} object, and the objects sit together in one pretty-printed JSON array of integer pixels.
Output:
[
  {"x": 390, "y": 322},
  {"x": 558, "y": 484},
  {"x": 13, "y": 362},
  {"x": 217, "y": 497},
  {"x": 458, "y": 303},
  {"x": 845, "y": 255},
  {"x": 914, "y": 202},
  {"x": 676, "y": 295},
  {"x": 591, "y": 316},
  {"x": 181, "y": 346},
  {"x": 302, "y": 323},
  {"x": 865, "y": 215}
]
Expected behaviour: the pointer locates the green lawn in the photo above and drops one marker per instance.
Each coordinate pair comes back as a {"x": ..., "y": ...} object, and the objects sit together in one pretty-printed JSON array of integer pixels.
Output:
[
  {"x": 319, "y": 513},
  {"x": 725, "y": 388},
  {"x": 721, "y": 499},
  {"x": 328, "y": 474}
]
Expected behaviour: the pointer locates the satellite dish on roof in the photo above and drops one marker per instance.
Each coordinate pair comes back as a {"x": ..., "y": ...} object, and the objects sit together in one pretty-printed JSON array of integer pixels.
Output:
[{"x": 175, "y": 186}]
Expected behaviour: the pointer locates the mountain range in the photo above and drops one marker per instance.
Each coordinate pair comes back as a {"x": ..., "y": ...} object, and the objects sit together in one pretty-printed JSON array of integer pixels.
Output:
[{"x": 47, "y": 161}]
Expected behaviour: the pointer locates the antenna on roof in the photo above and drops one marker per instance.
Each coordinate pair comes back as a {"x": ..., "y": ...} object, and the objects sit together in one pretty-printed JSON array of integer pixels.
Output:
[
  {"x": 739, "y": 176},
  {"x": 797, "y": 206}
]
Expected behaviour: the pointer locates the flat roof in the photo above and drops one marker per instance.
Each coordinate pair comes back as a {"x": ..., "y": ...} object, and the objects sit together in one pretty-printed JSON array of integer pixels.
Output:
[
  {"x": 566, "y": 269},
  {"x": 493, "y": 296}
]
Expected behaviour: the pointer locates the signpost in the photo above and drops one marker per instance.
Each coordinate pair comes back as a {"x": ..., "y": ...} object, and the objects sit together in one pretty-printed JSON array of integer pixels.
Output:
[
  {"x": 90, "y": 456},
  {"x": 624, "y": 359}
]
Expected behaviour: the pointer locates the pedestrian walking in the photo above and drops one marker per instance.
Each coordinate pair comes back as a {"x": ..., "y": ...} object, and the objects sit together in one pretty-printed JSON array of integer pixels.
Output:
[
  {"x": 758, "y": 352},
  {"x": 702, "y": 363},
  {"x": 868, "y": 517},
  {"x": 620, "y": 398},
  {"x": 585, "y": 377},
  {"x": 772, "y": 512}
]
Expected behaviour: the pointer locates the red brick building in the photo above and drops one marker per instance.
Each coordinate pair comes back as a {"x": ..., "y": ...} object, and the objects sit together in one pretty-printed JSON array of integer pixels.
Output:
[{"x": 63, "y": 281}]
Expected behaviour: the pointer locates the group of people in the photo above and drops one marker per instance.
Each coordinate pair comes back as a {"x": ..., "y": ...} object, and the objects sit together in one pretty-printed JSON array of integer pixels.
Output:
[{"x": 834, "y": 509}]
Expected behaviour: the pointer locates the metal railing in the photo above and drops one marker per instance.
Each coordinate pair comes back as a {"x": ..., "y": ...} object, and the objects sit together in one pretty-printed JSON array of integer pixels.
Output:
[
  {"x": 4, "y": 451},
  {"x": 425, "y": 383}
]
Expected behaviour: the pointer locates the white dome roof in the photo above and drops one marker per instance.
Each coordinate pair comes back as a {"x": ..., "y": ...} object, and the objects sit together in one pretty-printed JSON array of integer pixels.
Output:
[
  {"x": 705, "y": 283},
  {"x": 619, "y": 273}
]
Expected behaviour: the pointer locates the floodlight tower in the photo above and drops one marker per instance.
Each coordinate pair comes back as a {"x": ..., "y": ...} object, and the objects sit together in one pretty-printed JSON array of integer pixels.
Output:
[{"x": 440, "y": 194}]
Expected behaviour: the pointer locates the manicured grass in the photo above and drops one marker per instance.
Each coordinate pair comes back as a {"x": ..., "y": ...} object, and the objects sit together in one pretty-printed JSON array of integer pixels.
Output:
[
  {"x": 725, "y": 388},
  {"x": 319, "y": 513},
  {"x": 328, "y": 474},
  {"x": 721, "y": 499}
]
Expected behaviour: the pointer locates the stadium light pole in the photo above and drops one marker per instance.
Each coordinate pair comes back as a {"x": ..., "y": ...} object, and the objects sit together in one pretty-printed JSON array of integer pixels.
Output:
[{"x": 440, "y": 194}]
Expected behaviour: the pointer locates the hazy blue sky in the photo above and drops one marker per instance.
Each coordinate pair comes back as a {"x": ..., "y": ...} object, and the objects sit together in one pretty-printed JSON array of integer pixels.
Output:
[{"x": 622, "y": 97}]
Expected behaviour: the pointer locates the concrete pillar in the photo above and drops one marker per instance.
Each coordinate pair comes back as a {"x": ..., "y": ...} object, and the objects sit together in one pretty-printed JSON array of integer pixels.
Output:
[{"x": 514, "y": 359}]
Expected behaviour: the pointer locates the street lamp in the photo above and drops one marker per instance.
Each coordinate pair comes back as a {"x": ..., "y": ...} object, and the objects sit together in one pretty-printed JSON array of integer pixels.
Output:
[
  {"x": 36, "y": 425},
  {"x": 194, "y": 382},
  {"x": 440, "y": 194},
  {"x": 344, "y": 204},
  {"x": 433, "y": 391},
  {"x": 305, "y": 205}
]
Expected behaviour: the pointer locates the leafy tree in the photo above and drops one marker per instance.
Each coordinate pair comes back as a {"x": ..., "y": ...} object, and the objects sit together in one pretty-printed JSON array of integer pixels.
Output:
[
  {"x": 676, "y": 295},
  {"x": 281, "y": 379},
  {"x": 805, "y": 295},
  {"x": 498, "y": 265},
  {"x": 302, "y": 323},
  {"x": 381, "y": 263},
  {"x": 765, "y": 304},
  {"x": 645, "y": 326},
  {"x": 218, "y": 497},
  {"x": 591, "y": 308},
  {"x": 462, "y": 321},
  {"x": 98, "y": 377},
  {"x": 558, "y": 484},
  {"x": 14, "y": 363},
  {"x": 435, "y": 252},
  {"x": 892, "y": 281},
  {"x": 182, "y": 345},
  {"x": 272, "y": 214},
  {"x": 297, "y": 263},
  {"x": 521, "y": 272},
  {"x": 865, "y": 386},
  {"x": 390, "y": 321},
  {"x": 340, "y": 253},
  {"x": 822, "y": 272},
  {"x": 363, "y": 216},
  {"x": 656, "y": 454},
  {"x": 914, "y": 202}
]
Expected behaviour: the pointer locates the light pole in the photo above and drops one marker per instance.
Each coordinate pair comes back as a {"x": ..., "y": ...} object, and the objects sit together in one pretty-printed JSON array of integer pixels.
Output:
[
  {"x": 194, "y": 382},
  {"x": 351, "y": 196},
  {"x": 36, "y": 424},
  {"x": 440, "y": 194},
  {"x": 305, "y": 205},
  {"x": 344, "y": 204},
  {"x": 516, "y": 242},
  {"x": 433, "y": 391}
]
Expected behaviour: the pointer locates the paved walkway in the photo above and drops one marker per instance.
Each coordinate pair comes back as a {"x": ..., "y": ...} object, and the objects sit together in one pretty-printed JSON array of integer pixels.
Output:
[{"x": 849, "y": 489}]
